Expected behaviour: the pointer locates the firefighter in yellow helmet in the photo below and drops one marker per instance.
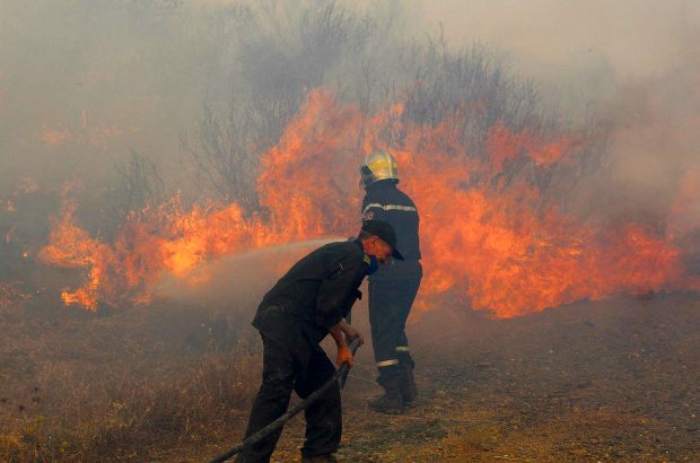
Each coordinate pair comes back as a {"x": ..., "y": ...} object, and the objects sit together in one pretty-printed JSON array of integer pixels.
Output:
[{"x": 393, "y": 288}]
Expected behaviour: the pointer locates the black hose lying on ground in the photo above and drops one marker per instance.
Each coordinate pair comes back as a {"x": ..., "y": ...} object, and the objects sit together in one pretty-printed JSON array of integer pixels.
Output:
[{"x": 340, "y": 376}]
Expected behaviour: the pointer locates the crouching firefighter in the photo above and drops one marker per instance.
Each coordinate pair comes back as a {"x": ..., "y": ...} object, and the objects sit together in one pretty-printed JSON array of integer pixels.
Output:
[
  {"x": 393, "y": 288},
  {"x": 306, "y": 304}
]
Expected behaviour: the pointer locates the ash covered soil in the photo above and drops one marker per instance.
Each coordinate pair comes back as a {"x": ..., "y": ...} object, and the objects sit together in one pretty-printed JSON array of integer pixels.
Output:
[{"x": 610, "y": 381}]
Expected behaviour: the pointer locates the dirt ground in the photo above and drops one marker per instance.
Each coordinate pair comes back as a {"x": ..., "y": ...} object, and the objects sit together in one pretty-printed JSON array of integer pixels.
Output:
[
  {"x": 608, "y": 381},
  {"x": 612, "y": 381}
]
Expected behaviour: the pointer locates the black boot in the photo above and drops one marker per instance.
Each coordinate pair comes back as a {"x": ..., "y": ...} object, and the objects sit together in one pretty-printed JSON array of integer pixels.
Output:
[
  {"x": 391, "y": 402},
  {"x": 328, "y": 458}
]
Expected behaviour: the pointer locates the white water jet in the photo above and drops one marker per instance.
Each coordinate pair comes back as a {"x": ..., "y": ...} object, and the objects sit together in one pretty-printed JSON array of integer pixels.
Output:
[{"x": 236, "y": 282}]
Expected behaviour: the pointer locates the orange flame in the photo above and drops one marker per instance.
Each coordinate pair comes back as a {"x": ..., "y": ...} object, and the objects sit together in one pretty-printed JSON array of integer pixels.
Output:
[
  {"x": 493, "y": 243},
  {"x": 72, "y": 247}
]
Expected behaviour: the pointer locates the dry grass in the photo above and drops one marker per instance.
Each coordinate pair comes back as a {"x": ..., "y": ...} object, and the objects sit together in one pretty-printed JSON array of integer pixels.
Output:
[
  {"x": 77, "y": 388},
  {"x": 614, "y": 381}
]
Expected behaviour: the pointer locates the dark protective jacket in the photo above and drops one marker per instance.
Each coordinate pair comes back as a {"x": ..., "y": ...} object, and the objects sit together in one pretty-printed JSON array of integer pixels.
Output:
[
  {"x": 318, "y": 291},
  {"x": 384, "y": 201}
]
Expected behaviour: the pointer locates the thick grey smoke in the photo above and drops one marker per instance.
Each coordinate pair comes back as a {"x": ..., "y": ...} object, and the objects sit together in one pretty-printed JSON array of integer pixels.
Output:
[
  {"x": 589, "y": 48},
  {"x": 86, "y": 83},
  {"x": 634, "y": 65}
]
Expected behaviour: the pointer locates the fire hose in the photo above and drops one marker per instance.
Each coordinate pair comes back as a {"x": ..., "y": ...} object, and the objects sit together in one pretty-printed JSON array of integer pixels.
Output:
[{"x": 340, "y": 376}]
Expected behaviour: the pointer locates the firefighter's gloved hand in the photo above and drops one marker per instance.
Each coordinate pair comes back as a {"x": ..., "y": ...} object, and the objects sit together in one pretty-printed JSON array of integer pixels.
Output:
[
  {"x": 344, "y": 356},
  {"x": 351, "y": 333}
]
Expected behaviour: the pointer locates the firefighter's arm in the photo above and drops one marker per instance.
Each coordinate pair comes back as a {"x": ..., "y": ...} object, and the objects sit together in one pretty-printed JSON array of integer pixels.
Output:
[
  {"x": 350, "y": 332},
  {"x": 373, "y": 211}
]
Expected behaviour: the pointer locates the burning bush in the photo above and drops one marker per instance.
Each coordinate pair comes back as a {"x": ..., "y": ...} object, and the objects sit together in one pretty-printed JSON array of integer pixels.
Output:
[{"x": 493, "y": 174}]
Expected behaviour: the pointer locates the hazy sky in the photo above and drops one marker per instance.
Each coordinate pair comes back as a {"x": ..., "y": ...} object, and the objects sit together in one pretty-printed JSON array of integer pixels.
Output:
[
  {"x": 636, "y": 62},
  {"x": 636, "y": 36}
]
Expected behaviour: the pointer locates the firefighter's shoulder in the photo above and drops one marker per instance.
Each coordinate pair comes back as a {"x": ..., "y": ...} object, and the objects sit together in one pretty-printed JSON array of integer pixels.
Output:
[
  {"x": 349, "y": 252},
  {"x": 349, "y": 248}
]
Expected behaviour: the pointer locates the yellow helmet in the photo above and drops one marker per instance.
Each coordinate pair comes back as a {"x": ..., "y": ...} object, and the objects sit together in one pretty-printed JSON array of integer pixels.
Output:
[{"x": 379, "y": 165}]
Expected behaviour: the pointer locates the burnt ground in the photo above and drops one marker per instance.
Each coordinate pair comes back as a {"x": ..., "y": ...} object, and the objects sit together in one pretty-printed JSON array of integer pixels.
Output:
[{"x": 609, "y": 381}]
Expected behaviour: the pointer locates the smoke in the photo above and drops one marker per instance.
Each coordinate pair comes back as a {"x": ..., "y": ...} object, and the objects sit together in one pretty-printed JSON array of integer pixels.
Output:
[
  {"x": 634, "y": 67},
  {"x": 82, "y": 83},
  {"x": 594, "y": 46},
  {"x": 89, "y": 89}
]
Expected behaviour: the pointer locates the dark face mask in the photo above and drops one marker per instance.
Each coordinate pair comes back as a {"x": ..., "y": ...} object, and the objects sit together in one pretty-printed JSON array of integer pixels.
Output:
[{"x": 373, "y": 265}]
